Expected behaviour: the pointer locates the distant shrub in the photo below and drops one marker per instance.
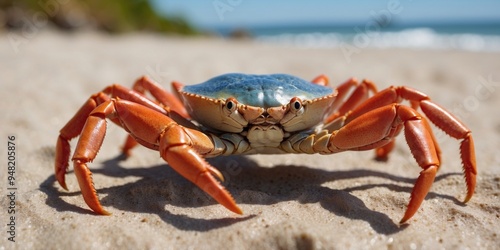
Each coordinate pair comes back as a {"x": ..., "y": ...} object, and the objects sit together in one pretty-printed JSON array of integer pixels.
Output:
[{"x": 111, "y": 16}]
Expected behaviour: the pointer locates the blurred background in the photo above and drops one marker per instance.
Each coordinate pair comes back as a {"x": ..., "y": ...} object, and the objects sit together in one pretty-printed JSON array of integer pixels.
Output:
[
  {"x": 55, "y": 53},
  {"x": 461, "y": 24}
]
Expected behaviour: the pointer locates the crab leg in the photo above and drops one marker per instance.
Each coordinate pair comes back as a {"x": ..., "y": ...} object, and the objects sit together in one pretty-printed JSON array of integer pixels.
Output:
[
  {"x": 377, "y": 127},
  {"x": 176, "y": 149},
  {"x": 71, "y": 130},
  {"x": 321, "y": 80},
  {"x": 359, "y": 94},
  {"x": 164, "y": 97},
  {"x": 74, "y": 127},
  {"x": 155, "y": 130},
  {"x": 438, "y": 116},
  {"x": 368, "y": 112}
]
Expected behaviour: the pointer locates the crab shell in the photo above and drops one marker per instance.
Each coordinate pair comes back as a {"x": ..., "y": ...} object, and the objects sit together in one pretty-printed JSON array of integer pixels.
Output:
[{"x": 232, "y": 102}]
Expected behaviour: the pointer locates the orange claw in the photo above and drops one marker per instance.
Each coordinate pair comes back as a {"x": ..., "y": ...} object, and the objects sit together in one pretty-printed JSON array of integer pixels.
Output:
[
  {"x": 175, "y": 149},
  {"x": 422, "y": 187},
  {"x": 89, "y": 193},
  {"x": 191, "y": 166},
  {"x": 151, "y": 129}
]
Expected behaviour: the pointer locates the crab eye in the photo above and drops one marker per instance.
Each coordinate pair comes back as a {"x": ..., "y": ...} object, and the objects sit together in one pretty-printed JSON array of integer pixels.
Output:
[
  {"x": 295, "y": 104},
  {"x": 231, "y": 104}
]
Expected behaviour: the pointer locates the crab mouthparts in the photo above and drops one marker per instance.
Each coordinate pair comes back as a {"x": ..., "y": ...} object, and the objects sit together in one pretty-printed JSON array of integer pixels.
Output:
[
  {"x": 269, "y": 116},
  {"x": 265, "y": 135},
  {"x": 264, "y": 120}
]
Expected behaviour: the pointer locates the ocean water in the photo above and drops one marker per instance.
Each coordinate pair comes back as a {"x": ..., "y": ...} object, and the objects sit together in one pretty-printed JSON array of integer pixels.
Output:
[{"x": 483, "y": 36}]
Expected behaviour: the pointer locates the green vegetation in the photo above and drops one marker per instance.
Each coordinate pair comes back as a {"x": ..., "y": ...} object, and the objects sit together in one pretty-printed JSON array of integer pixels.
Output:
[{"x": 111, "y": 16}]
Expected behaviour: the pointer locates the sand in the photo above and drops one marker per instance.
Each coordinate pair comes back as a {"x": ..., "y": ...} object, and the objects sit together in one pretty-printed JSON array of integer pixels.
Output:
[{"x": 342, "y": 201}]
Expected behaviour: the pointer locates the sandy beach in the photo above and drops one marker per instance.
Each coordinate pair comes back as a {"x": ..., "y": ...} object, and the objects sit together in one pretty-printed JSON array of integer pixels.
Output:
[{"x": 341, "y": 201}]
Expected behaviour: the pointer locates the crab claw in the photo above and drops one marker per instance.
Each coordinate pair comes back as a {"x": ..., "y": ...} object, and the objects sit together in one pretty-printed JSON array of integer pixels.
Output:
[
  {"x": 175, "y": 149},
  {"x": 84, "y": 177}
]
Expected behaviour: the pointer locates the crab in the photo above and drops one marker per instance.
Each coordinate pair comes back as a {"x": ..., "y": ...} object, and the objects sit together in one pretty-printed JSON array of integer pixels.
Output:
[{"x": 260, "y": 114}]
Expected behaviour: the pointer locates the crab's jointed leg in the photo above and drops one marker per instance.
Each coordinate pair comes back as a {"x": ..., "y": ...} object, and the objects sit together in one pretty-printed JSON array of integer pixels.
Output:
[
  {"x": 180, "y": 146},
  {"x": 165, "y": 103},
  {"x": 74, "y": 126},
  {"x": 375, "y": 122},
  {"x": 163, "y": 98},
  {"x": 358, "y": 92},
  {"x": 321, "y": 80},
  {"x": 94, "y": 115},
  {"x": 351, "y": 94},
  {"x": 71, "y": 130}
]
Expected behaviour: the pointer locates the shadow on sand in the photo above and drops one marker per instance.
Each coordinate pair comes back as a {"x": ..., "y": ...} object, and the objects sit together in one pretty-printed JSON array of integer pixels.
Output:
[{"x": 243, "y": 176}]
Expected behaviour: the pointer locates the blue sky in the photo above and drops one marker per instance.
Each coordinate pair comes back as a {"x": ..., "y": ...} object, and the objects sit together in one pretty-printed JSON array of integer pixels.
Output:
[{"x": 244, "y": 13}]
